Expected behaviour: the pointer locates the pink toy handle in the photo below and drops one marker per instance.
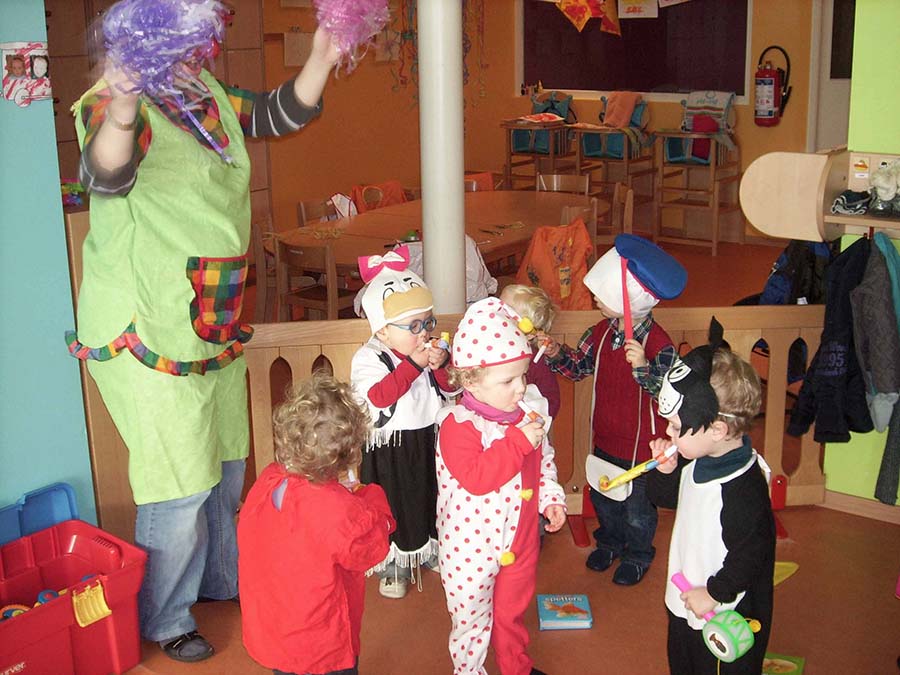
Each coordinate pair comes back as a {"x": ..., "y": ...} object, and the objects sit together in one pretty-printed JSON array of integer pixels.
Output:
[{"x": 683, "y": 585}]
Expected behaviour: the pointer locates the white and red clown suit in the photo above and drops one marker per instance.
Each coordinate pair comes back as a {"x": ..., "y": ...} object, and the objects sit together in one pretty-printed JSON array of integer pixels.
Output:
[{"x": 492, "y": 484}]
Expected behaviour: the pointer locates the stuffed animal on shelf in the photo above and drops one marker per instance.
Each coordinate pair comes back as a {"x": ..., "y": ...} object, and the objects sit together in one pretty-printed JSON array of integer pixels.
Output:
[{"x": 885, "y": 184}]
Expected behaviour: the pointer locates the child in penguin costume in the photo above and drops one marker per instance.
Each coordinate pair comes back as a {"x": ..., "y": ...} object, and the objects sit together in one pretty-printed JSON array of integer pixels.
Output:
[
  {"x": 400, "y": 375},
  {"x": 723, "y": 540}
]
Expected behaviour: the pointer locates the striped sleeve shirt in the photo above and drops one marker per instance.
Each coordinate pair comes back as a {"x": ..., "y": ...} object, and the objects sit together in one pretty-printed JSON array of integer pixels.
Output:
[{"x": 273, "y": 113}]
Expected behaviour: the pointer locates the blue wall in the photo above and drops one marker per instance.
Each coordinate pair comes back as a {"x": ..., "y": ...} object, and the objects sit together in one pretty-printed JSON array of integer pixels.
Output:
[{"x": 42, "y": 428}]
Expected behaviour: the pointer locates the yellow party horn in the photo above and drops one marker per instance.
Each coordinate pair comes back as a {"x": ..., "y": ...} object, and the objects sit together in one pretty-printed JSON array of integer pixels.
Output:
[{"x": 634, "y": 472}]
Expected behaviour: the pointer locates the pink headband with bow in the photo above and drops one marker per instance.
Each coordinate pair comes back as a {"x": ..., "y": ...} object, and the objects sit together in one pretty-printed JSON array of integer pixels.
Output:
[{"x": 371, "y": 265}]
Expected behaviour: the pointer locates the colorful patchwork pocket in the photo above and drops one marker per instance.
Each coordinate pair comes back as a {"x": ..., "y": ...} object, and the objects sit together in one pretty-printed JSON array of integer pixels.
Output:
[{"x": 218, "y": 298}]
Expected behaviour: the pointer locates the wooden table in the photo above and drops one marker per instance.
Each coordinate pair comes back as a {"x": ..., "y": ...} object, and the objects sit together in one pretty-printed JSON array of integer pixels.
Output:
[{"x": 501, "y": 223}]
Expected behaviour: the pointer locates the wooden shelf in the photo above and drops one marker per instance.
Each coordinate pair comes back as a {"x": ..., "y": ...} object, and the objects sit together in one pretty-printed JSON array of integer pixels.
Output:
[{"x": 863, "y": 220}]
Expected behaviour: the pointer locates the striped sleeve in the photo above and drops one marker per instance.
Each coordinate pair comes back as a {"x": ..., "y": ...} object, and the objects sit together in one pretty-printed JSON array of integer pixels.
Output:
[
  {"x": 275, "y": 113},
  {"x": 95, "y": 180}
]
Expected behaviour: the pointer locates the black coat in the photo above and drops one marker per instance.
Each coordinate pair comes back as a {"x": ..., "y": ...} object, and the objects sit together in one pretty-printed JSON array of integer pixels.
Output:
[{"x": 833, "y": 392}]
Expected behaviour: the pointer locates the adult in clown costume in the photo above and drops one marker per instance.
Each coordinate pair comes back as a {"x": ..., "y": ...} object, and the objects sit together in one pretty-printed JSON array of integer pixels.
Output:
[
  {"x": 496, "y": 474},
  {"x": 165, "y": 264}
]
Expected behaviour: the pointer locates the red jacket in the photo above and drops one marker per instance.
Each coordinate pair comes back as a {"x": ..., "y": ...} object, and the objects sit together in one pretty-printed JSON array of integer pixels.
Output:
[{"x": 301, "y": 570}]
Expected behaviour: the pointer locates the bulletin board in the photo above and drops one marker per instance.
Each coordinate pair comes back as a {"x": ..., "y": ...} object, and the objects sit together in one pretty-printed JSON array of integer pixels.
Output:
[{"x": 695, "y": 45}]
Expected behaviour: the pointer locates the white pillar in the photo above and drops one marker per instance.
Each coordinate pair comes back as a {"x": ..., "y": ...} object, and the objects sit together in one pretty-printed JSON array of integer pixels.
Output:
[{"x": 441, "y": 151}]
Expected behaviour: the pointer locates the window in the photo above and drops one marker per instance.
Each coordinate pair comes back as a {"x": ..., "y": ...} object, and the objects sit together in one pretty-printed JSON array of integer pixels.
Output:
[{"x": 700, "y": 44}]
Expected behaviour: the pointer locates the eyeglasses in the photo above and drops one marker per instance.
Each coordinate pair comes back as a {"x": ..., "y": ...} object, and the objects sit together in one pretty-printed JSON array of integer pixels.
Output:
[{"x": 417, "y": 325}]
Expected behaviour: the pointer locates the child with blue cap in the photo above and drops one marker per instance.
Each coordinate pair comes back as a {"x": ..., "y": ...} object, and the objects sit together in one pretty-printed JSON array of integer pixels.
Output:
[{"x": 629, "y": 354}]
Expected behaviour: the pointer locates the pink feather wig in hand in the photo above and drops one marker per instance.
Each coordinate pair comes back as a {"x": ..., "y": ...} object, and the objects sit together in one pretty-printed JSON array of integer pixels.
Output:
[{"x": 352, "y": 24}]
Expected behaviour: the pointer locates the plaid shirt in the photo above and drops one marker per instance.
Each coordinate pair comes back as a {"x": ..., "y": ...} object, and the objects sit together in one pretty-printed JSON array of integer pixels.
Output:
[{"x": 576, "y": 364}]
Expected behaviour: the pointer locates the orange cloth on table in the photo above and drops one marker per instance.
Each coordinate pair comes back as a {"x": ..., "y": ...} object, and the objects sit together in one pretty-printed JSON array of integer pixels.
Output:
[
  {"x": 391, "y": 193},
  {"x": 620, "y": 107},
  {"x": 484, "y": 180},
  {"x": 556, "y": 261}
]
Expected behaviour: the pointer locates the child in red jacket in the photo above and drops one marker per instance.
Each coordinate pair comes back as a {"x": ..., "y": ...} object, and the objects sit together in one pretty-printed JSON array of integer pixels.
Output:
[{"x": 305, "y": 540}]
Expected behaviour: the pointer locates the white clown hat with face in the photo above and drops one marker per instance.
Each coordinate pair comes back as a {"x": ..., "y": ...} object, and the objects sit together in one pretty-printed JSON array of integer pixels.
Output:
[{"x": 393, "y": 292}]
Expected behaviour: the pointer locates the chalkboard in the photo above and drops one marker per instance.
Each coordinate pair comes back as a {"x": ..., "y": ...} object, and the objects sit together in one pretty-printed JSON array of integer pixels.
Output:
[{"x": 696, "y": 45}]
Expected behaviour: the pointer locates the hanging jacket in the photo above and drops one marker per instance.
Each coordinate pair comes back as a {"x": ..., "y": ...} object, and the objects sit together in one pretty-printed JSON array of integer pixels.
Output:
[
  {"x": 876, "y": 339},
  {"x": 833, "y": 393}
]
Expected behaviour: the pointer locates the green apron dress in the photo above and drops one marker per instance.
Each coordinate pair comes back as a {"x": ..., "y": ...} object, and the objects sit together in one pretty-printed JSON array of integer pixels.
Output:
[{"x": 160, "y": 303}]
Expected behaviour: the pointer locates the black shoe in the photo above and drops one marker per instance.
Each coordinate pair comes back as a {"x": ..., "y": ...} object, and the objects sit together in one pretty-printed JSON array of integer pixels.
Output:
[
  {"x": 600, "y": 560},
  {"x": 236, "y": 599},
  {"x": 189, "y": 647},
  {"x": 628, "y": 574}
]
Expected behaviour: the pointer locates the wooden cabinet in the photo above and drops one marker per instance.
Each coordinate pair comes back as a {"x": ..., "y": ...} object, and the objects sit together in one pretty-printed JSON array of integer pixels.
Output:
[
  {"x": 789, "y": 195},
  {"x": 66, "y": 29},
  {"x": 70, "y": 77},
  {"x": 245, "y": 31}
]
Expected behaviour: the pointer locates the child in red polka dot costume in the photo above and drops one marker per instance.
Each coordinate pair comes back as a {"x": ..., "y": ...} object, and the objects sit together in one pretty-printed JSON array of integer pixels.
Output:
[{"x": 495, "y": 473}]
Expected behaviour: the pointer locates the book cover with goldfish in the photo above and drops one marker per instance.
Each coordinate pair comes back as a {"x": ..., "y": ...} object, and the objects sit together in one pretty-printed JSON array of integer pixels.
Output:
[
  {"x": 563, "y": 612},
  {"x": 779, "y": 664}
]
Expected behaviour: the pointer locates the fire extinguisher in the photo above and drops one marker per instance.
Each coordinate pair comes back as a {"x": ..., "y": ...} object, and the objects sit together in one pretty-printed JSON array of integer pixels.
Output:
[{"x": 772, "y": 89}]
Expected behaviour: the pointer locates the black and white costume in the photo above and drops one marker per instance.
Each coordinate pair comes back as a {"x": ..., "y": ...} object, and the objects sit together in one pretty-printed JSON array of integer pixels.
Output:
[{"x": 724, "y": 539}]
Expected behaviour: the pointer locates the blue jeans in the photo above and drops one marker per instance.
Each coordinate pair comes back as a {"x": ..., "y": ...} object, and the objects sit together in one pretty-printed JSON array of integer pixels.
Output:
[
  {"x": 191, "y": 547},
  {"x": 626, "y": 528}
]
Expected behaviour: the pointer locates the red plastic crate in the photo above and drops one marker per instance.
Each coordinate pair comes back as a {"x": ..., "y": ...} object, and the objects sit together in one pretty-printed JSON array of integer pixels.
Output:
[{"x": 48, "y": 639}]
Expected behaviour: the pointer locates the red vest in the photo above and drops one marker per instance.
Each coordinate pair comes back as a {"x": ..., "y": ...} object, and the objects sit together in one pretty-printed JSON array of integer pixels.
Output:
[{"x": 622, "y": 408}]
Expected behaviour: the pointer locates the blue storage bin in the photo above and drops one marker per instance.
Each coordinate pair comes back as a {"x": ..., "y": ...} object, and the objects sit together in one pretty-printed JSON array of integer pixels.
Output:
[{"x": 37, "y": 510}]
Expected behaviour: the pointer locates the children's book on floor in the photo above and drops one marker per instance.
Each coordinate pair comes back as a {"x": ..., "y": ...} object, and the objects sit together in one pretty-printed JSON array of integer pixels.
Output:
[
  {"x": 780, "y": 664},
  {"x": 564, "y": 611}
]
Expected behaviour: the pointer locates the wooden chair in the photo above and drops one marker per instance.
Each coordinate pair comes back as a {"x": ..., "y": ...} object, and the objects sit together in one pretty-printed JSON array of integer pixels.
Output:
[
  {"x": 621, "y": 214},
  {"x": 485, "y": 180},
  {"x": 327, "y": 299},
  {"x": 589, "y": 215},
  {"x": 372, "y": 196},
  {"x": 266, "y": 282},
  {"x": 562, "y": 182},
  {"x": 265, "y": 275},
  {"x": 314, "y": 210}
]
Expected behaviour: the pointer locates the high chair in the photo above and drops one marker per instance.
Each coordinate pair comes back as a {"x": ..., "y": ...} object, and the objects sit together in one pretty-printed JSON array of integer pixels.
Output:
[
  {"x": 705, "y": 145},
  {"x": 544, "y": 145},
  {"x": 620, "y": 140}
]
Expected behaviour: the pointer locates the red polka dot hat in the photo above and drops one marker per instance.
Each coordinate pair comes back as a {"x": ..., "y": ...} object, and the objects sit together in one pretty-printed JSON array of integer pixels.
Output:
[{"x": 489, "y": 335}]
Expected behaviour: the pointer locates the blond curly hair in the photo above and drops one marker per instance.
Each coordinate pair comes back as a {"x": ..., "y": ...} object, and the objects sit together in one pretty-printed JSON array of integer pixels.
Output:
[
  {"x": 320, "y": 429},
  {"x": 464, "y": 377},
  {"x": 738, "y": 390},
  {"x": 532, "y": 302}
]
